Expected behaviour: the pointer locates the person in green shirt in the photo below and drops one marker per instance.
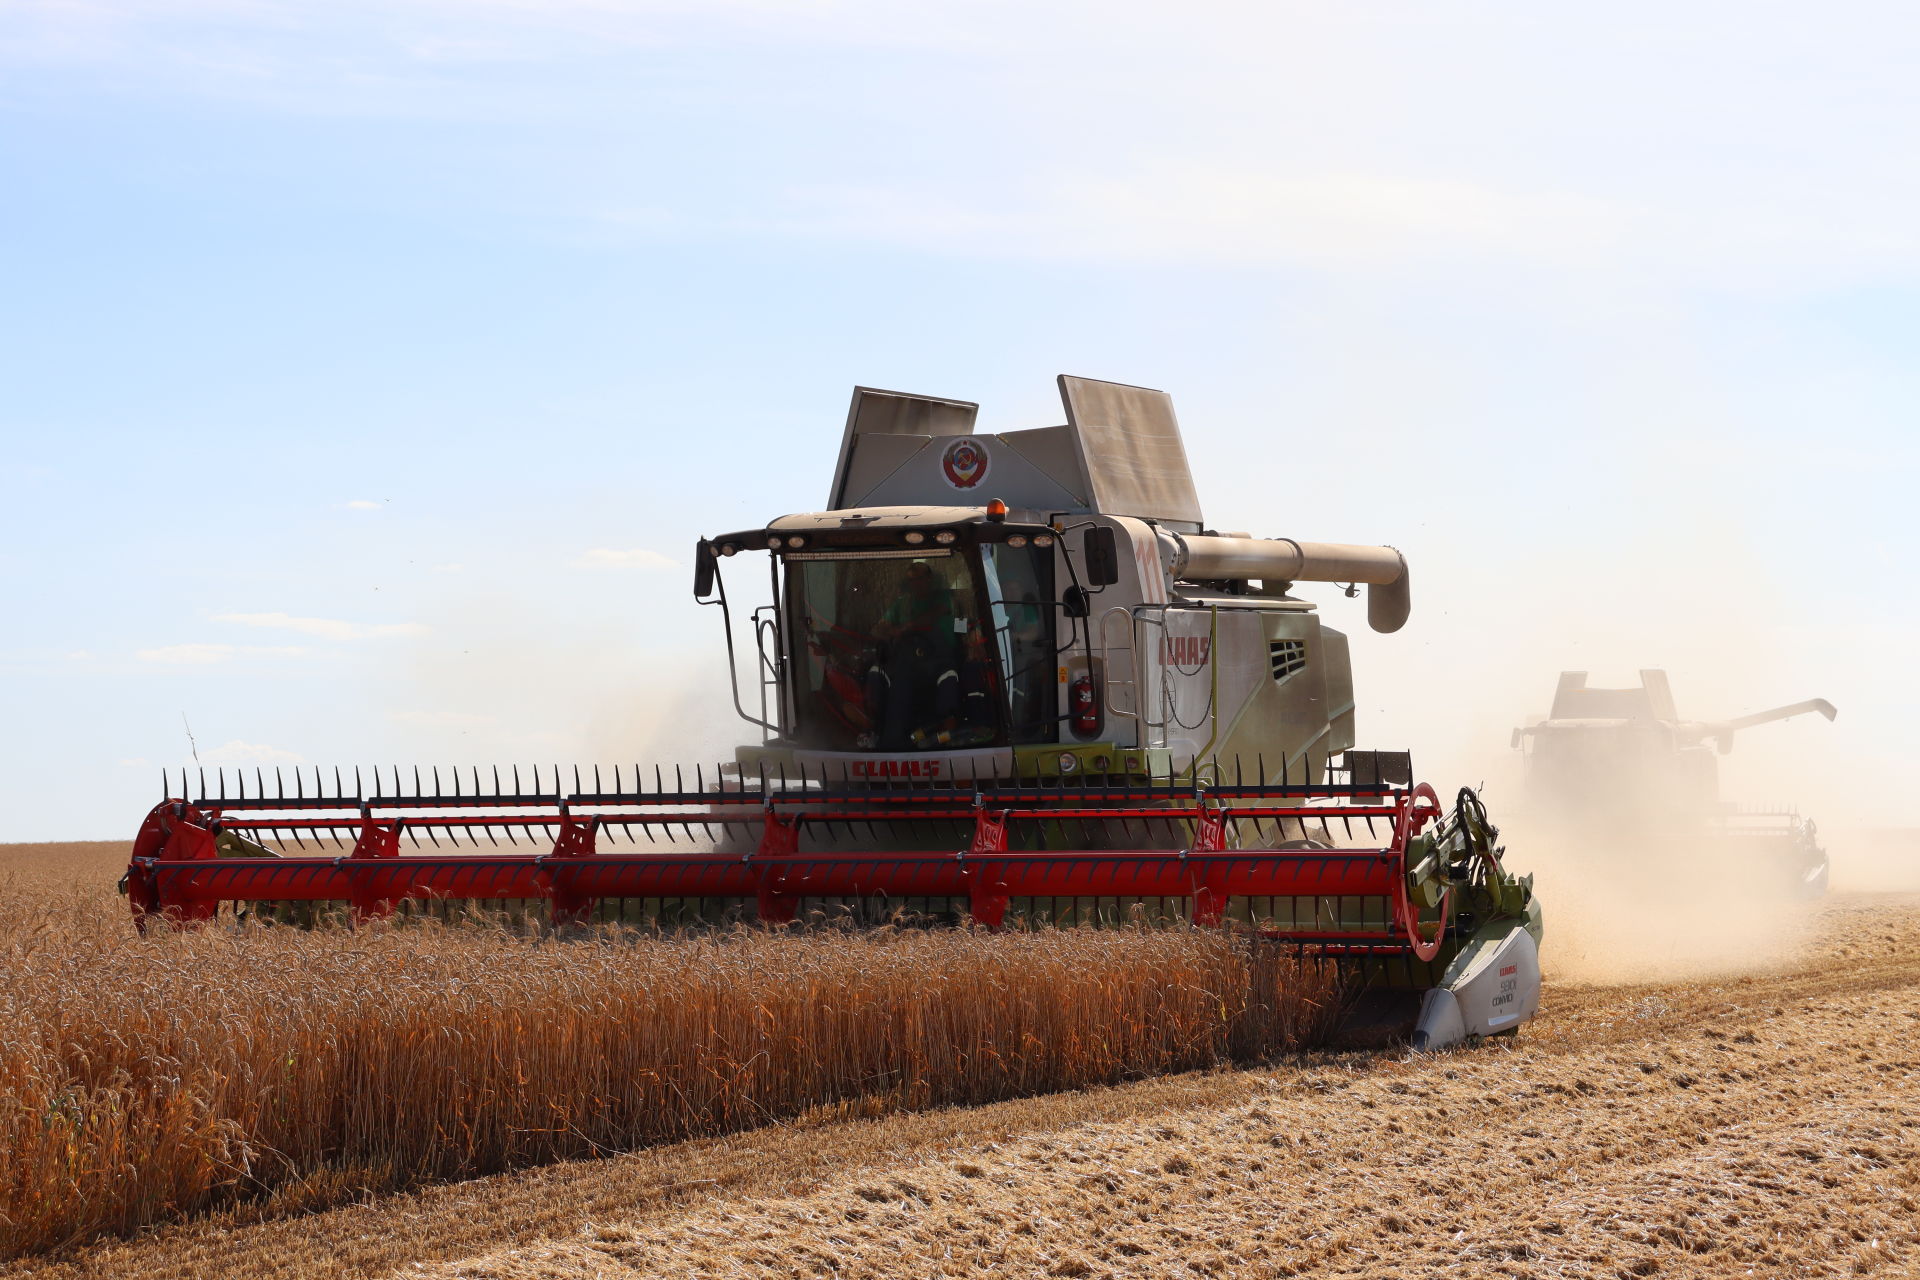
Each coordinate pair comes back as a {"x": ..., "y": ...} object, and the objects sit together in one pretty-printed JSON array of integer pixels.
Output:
[
  {"x": 924, "y": 609},
  {"x": 918, "y": 672}
]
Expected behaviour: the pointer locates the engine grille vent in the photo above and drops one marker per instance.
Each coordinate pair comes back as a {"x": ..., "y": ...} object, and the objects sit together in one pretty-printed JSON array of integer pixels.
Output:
[{"x": 1286, "y": 657}]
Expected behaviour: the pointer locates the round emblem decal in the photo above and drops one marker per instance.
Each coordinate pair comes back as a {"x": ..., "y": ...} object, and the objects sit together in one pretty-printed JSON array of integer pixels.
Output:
[{"x": 965, "y": 463}]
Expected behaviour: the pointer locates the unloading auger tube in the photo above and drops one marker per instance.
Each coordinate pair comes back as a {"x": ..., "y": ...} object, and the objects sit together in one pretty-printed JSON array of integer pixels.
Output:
[{"x": 1200, "y": 557}]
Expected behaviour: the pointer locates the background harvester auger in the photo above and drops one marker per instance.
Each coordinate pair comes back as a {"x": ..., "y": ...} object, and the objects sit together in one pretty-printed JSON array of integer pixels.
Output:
[{"x": 1013, "y": 679}]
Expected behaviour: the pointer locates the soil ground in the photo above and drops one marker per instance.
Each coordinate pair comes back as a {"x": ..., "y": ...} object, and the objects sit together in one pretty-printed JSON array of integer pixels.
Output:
[{"x": 1766, "y": 1124}]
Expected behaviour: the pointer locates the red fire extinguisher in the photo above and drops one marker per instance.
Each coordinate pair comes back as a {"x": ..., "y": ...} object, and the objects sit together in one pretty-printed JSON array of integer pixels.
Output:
[{"x": 1086, "y": 706}]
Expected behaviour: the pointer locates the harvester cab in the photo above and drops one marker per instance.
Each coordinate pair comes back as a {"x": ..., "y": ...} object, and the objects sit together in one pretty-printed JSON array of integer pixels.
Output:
[
  {"x": 1038, "y": 604},
  {"x": 1623, "y": 761},
  {"x": 1001, "y": 679}
]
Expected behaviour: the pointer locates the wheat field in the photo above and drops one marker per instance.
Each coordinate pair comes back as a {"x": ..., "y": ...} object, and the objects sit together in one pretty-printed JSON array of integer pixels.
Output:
[
  {"x": 145, "y": 1080},
  {"x": 1760, "y": 1121}
]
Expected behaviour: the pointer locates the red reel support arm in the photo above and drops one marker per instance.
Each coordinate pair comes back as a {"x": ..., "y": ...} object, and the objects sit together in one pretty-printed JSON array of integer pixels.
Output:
[
  {"x": 174, "y": 831},
  {"x": 779, "y": 841},
  {"x": 567, "y": 902},
  {"x": 986, "y": 881},
  {"x": 1420, "y": 807},
  {"x": 1209, "y": 895}
]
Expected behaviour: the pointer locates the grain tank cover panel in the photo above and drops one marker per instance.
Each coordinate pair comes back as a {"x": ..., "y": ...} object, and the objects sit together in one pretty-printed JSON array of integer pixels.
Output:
[
  {"x": 1053, "y": 451},
  {"x": 870, "y": 460},
  {"x": 1575, "y": 699},
  {"x": 880, "y": 425},
  {"x": 950, "y": 470},
  {"x": 1130, "y": 450},
  {"x": 1119, "y": 454}
]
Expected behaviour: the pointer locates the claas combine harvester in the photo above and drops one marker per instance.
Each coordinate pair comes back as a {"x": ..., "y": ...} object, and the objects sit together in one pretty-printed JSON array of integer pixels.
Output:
[
  {"x": 1622, "y": 764},
  {"x": 1001, "y": 679}
]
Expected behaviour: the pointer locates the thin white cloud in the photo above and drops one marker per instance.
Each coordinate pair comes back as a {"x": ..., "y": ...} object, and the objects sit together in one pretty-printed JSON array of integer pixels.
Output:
[
  {"x": 442, "y": 719},
  {"x": 633, "y": 558},
  {"x": 238, "y": 752},
  {"x": 362, "y": 504},
  {"x": 206, "y": 654},
  {"x": 326, "y": 628},
  {"x": 1192, "y": 213},
  {"x": 1177, "y": 211}
]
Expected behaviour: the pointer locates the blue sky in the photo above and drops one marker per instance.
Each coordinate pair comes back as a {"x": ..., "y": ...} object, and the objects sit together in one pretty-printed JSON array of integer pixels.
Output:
[{"x": 367, "y": 370}]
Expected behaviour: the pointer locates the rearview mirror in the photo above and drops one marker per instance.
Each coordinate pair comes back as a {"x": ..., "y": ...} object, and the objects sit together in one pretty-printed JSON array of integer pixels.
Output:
[
  {"x": 1074, "y": 602},
  {"x": 1103, "y": 558},
  {"x": 703, "y": 570}
]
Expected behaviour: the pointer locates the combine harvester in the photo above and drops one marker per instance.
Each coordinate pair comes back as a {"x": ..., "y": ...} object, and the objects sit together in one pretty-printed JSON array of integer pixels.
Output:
[
  {"x": 1623, "y": 762},
  {"x": 1007, "y": 679}
]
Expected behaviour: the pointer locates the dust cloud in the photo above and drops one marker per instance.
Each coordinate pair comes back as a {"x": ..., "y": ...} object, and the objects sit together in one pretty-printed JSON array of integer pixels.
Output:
[
  {"x": 1630, "y": 891},
  {"x": 1639, "y": 905}
]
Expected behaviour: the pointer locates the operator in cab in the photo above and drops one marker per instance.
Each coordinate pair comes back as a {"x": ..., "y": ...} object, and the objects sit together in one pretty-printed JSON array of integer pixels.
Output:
[{"x": 917, "y": 676}]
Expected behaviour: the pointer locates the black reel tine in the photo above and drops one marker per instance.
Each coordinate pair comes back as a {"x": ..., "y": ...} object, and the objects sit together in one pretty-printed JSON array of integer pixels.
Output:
[
  {"x": 453, "y": 832},
  {"x": 824, "y": 789},
  {"x": 846, "y": 786},
  {"x": 625, "y": 830},
  {"x": 497, "y": 793},
  {"x": 486, "y": 828},
  {"x": 339, "y": 794}
]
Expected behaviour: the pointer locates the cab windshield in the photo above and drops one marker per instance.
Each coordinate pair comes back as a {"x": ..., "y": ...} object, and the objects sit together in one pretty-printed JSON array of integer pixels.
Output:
[{"x": 909, "y": 651}]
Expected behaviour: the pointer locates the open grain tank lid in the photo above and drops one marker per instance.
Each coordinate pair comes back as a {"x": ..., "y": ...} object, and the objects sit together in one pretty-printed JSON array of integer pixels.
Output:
[
  {"x": 1575, "y": 699},
  {"x": 1118, "y": 454}
]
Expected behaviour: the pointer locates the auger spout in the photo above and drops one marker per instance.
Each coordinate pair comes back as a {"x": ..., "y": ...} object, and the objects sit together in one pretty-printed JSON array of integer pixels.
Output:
[
  {"x": 1721, "y": 731},
  {"x": 1205, "y": 557}
]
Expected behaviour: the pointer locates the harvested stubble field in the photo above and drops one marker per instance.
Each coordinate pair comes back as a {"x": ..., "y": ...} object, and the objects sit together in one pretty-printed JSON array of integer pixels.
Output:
[{"x": 1766, "y": 1123}]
